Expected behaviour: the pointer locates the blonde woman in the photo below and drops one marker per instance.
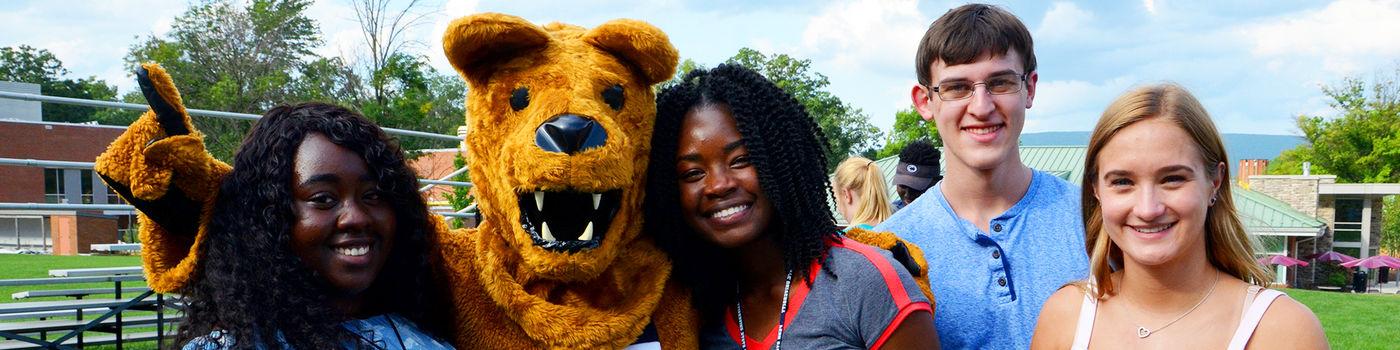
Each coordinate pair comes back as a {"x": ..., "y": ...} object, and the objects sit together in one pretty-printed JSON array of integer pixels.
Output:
[
  {"x": 861, "y": 195},
  {"x": 1170, "y": 264}
]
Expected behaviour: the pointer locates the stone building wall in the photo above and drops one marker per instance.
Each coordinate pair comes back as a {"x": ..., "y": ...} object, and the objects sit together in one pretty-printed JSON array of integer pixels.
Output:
[
  {"x": 1377, "y": 213},
  {"x": 1300, "y": 192}
]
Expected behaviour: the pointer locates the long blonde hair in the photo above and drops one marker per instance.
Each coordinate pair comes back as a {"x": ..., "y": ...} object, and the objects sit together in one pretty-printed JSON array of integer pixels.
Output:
[
  {"x": 863, "y": 177},
  {"x": 1228, "y": 247}
]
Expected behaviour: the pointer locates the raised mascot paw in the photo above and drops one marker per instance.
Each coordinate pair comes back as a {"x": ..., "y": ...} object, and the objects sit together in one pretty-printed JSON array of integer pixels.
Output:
[
  {"x": 159, "y": 164},
  {"x": 169, "y": 111}
]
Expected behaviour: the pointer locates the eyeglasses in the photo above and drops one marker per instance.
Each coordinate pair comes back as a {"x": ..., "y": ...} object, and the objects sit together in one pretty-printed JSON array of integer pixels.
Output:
[{"x": 1000, "y": 84}]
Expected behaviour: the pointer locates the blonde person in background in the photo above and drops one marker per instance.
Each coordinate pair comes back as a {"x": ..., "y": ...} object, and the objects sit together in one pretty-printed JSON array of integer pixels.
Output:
[
  {"x": 1170, "y": 264},
  {"x": 861, "y": 195}
]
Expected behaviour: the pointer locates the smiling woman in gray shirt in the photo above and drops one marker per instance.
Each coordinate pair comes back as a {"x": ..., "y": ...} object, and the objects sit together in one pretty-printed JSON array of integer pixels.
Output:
[{"x": 736, "y": 195}]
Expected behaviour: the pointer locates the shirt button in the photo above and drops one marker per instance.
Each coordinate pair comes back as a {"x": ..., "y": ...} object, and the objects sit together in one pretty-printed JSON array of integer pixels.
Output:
[
  {"x": 996, "y": 254},
  {"x": 996, "y": 227},
  {"x": 1001, "y": 281}
]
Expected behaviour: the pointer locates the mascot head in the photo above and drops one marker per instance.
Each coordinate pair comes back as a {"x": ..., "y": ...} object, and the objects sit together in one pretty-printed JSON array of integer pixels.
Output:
[{"x": 559, "y": 128}]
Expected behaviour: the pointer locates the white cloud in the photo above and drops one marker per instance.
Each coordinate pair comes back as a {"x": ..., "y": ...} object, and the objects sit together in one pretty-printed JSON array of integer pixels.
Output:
[
  {"x": 340, "y": 32},
  {"x": 91, "y": 39},
  {"x": 884, "y": 33},
  {"x": 1064, "y": 21},
  {"x": 1150, "y": 6},
  {"x": 1346, "y": 36},
  {"x": 866, "y": 48},
  {"x": 1063, "y": 105},
  {"x": 451, "y": 10}
]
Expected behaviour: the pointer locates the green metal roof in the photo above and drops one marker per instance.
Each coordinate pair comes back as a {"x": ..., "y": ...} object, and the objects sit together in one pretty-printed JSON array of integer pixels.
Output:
[
  {"x": 1261, "y": 214},
  {"x": 1266, "y": 216},
  {"x": 1066, "y": 162}
]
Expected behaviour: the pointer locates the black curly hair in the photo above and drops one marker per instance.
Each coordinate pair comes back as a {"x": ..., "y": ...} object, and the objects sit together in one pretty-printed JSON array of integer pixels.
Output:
[
  {"x": 921, "y": 152},
  {"x": 786, "y": 147},
  {"x": 251, "y": 288}
]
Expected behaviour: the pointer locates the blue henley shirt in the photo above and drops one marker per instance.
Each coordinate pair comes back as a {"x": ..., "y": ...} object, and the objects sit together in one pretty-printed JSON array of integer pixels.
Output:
[{"x": 990, "y": 285}]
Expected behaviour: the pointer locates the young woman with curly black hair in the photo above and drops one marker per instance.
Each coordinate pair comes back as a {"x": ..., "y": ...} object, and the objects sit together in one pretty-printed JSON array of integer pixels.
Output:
[
  {"x": 737, "y": 194},
  {"x": 318, "y": 240}
]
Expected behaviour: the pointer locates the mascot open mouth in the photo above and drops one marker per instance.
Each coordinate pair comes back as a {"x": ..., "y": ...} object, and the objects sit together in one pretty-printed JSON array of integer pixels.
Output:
[{"x": 568, "y": 220}]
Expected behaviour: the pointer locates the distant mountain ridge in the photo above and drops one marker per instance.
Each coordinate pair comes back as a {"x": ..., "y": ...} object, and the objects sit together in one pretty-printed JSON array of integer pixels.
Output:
[{"x": 1237, "y": 146}]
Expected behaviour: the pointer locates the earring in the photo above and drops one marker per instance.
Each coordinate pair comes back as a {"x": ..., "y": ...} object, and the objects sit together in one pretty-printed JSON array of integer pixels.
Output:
[{"x": 1212, "y": 200}]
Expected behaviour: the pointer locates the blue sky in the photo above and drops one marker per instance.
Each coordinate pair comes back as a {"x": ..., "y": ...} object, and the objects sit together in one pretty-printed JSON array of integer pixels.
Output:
[{"x": 1255, "y": 64}]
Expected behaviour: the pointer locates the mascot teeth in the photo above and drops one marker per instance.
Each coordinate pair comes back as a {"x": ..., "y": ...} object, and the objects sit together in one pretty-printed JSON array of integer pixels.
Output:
[
  {"x": 544, "y": 233},
  {"x": 587, "y": 233},
  {"x": 572, "y": 220}
]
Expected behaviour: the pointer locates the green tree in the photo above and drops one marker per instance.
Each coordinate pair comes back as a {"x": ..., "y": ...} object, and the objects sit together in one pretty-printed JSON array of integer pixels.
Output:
[
  {"x": 384, "y": 30},
  {"x": 684, "y": 68},
  {"x": 1361, "y": 144},
  {"x": 908, "y": 127},
  {"x": 234, "y": 57},
  {"x": 416, "y": 96},
  {"x": 39, "y": 66},
  {"x": 29, "y": 65},
  {"x": 848, "y": 129},
  {"x": 328, "y": 80},
  {"x": 460, "y": 197}
]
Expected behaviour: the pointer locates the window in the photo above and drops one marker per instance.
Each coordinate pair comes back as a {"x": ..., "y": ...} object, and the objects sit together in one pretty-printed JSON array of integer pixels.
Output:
[
  {"x": 1353, "y": 236},
  {"x": 53, "y": 186},
  {"x": 1270, "y": 245},
  {"x": 1348, "y": 225},
  {"x": 86, "y": 176},
  {"x": 128, "y": 229},
  {"x": 1352, "y": 252},
  {"x": 1349, "y": 210}
]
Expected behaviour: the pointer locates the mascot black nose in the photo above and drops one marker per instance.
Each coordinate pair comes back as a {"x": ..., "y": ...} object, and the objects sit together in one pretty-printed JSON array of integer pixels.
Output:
[{"x": 569, "y": 134}]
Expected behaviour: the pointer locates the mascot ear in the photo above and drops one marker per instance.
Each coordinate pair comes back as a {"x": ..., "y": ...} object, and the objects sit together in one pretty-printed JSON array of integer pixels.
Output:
[
  {"x": 637, "y": 42},
  {"x": 474, "y": 44}
]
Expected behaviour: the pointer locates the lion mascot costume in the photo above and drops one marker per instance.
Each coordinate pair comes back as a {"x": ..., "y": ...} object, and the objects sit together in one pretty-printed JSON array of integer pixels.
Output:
[{"x": 559, "y": 121}]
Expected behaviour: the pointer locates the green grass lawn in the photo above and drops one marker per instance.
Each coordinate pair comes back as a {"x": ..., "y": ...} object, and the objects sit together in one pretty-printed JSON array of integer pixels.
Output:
[
  {"x": 14, "y": 266},
  {"x": 1355, "y": 321}
]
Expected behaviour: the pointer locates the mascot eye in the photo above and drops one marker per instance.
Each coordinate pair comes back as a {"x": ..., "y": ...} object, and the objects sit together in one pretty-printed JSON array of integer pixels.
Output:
[
  {"x": 613, "y": 96},
  {"x": 520, "y": 98}
]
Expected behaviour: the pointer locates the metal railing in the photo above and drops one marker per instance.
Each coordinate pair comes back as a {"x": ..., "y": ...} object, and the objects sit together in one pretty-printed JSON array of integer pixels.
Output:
[
  {"x": 54, "y": 164},
  {"x": 59, "y": 164},
  {"x": 191, "y": 111}
]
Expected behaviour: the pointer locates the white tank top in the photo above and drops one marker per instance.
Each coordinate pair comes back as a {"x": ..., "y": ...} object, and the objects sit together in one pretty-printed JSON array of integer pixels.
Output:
[{"x": 1257, "y": 301}]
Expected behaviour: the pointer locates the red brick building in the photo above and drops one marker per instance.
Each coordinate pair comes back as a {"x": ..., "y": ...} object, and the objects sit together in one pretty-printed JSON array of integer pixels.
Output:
[
  {"x": 67, "y": 232},
  {"x": 62, "y": 232}
]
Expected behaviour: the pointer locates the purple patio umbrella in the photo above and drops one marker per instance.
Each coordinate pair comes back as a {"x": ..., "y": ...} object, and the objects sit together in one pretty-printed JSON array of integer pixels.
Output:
[
  {"x": 1331, "y": 256},
  {"x": 1375, "y": 262},
  {"x": 1281, "y": 260}
]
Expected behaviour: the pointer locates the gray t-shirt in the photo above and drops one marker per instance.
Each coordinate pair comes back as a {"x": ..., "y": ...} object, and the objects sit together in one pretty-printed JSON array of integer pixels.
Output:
[{"x": 859, "y": 307}]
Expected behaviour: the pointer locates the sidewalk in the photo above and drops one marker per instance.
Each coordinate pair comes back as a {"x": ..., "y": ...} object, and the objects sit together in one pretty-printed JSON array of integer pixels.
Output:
[{"x": 1392, "y": 287}]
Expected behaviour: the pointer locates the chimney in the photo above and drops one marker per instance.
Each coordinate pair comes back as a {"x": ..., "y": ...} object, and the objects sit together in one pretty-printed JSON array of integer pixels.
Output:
[
  {"x": 1251, "y": 167},
  {"x": 1307, "y": 168},
  {"x": 462, "y": 134}
]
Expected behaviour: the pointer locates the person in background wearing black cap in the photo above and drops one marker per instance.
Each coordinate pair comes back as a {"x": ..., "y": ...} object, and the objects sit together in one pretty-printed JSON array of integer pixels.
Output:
[{"x": 917, "y": 170}]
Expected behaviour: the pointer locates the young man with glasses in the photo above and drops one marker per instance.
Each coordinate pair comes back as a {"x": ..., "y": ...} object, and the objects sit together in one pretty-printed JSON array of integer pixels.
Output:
[{"x": 999, "y": 237}]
